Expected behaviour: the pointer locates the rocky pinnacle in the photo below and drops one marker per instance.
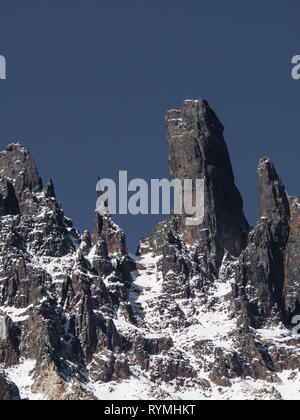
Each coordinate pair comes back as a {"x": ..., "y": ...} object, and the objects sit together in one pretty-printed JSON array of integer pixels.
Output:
[
  {"x": 202, "y": 311},
  {"x": 198, "y": 150}
]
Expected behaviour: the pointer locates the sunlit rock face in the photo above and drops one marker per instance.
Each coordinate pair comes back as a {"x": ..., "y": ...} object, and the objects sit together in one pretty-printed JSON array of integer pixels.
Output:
[{"x": 201, "y": 312}]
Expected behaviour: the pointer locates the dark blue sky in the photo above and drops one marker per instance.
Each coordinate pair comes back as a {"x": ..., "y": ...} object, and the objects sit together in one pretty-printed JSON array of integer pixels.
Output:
[{"x": 89, "y": 83}]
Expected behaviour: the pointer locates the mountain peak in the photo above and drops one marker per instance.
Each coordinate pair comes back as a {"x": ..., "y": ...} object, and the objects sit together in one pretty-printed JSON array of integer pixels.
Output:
[
  {"x": 197, "y": 150},
  {"x": 272, "y": 194}
]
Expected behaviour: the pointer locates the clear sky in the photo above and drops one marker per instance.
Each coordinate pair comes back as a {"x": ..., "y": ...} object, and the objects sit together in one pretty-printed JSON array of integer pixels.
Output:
[{"x": 89, "y": 82}]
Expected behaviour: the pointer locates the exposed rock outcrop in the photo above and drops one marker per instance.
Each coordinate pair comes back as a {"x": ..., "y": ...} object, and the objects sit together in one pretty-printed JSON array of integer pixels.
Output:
[
  {"x": 198, "y": 151},
  {"x": 266, "y": 287},
  {"x": 8, "y": 390},
  {"x": 260, "y": 274}
]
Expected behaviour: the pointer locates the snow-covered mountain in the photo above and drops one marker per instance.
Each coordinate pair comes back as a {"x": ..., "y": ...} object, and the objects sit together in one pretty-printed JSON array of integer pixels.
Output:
[{"x": 202, "y": 312}]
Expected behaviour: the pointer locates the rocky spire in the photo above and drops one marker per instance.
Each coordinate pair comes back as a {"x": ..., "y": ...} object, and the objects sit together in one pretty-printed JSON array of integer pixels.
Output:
[
  {"x": 198, "y": 151},
  {"x": 22, "y": 193},
  {"x": 273, "y": 199},
  {"x": 49, "y": 189},
  {"x": 261, "y": 274},
  {"x": 18, "y": 168},
  {"x": 105, "y": 230}
]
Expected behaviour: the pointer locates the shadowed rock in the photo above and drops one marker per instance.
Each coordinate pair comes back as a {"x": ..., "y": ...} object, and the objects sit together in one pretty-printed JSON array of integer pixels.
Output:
[
  {"x": 198, "y": 151},
  {"x": 261, "y": 272},
  {"x": 8, "y": 390}
]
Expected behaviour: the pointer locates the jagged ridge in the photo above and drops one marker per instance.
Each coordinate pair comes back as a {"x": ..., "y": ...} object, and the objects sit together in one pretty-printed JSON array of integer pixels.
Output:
[{"x": 201, "y": 312}]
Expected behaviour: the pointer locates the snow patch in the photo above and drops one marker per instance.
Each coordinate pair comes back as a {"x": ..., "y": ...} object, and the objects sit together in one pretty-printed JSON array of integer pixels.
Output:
[{"x": 21, "y": 375}]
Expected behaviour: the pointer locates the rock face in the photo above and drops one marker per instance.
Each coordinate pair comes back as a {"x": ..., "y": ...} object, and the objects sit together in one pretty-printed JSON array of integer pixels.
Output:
[
  {"x": 8, "y": 390},
  {"x": 291, "y": 286},
  {"x": 266, "y": 277},
  {"x": 198, "y": 151},
  {"x": 261, "y": 272},
  {"x": 202, "y": 312}
]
